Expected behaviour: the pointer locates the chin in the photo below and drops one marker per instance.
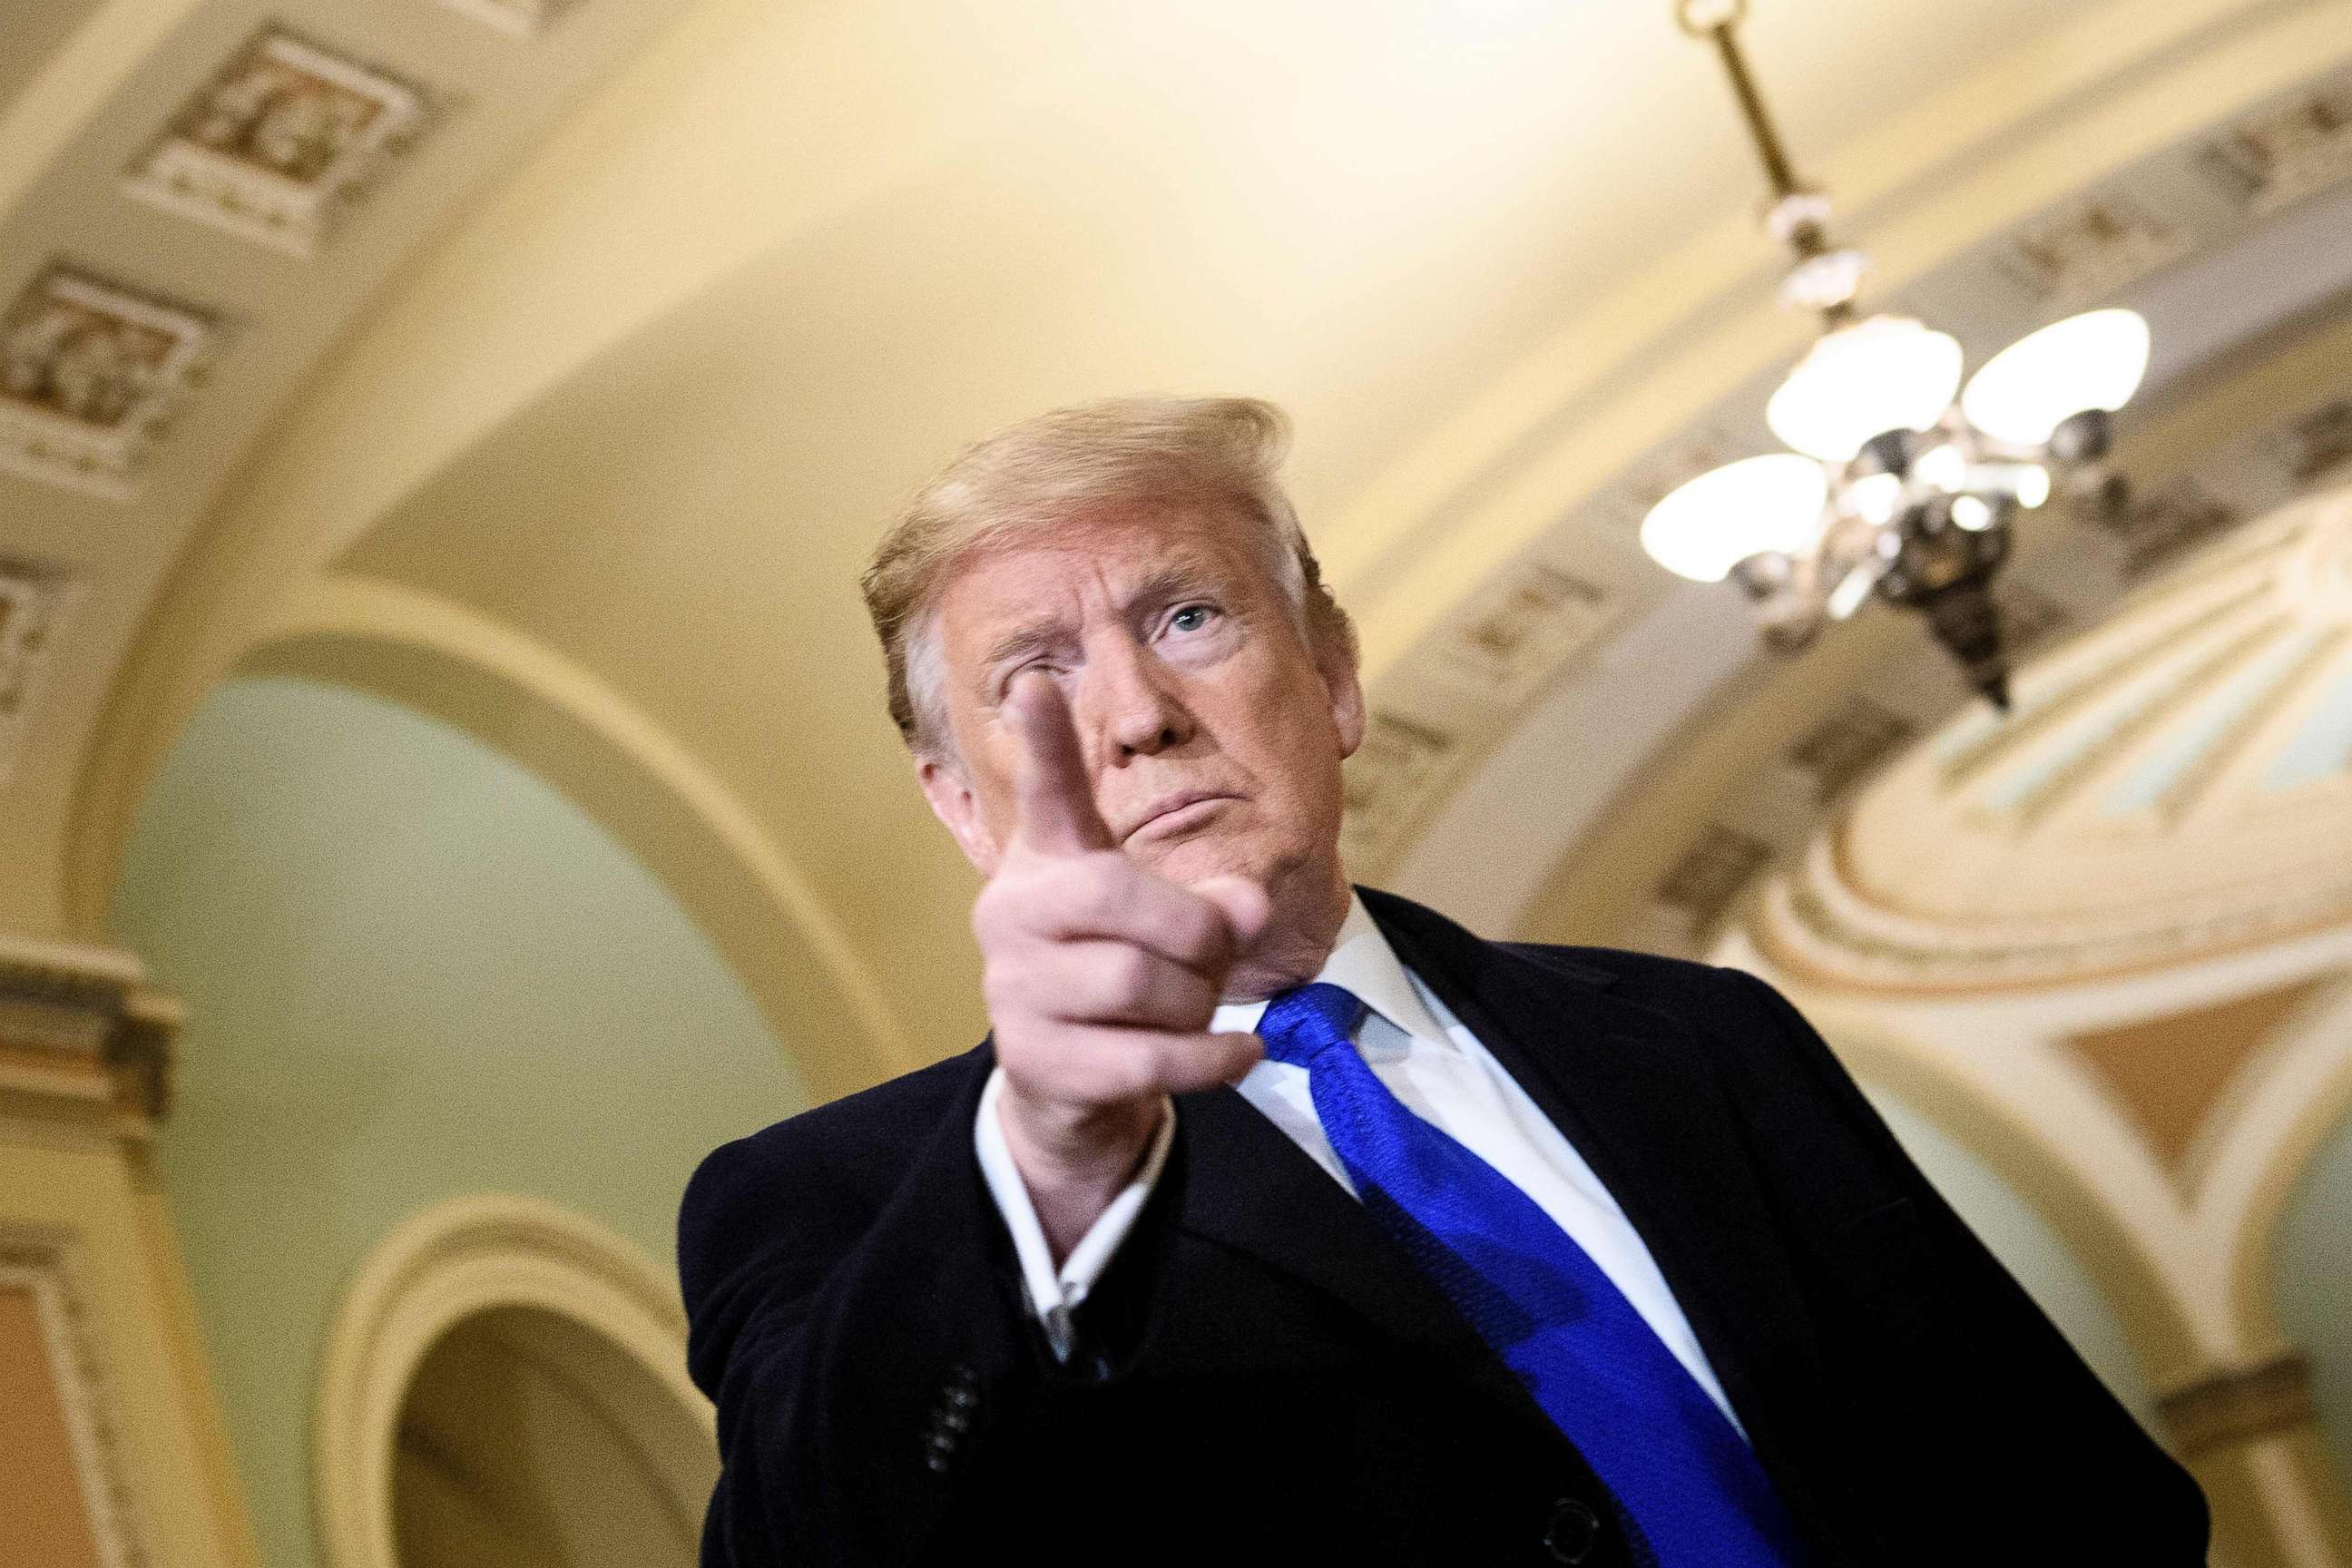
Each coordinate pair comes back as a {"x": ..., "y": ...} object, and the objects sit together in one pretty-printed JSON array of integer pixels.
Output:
[{"x": 1189, "y": 860}]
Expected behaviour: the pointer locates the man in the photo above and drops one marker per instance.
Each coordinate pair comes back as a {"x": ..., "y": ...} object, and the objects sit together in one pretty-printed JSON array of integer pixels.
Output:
[{"x": 1278, "y": 1221}]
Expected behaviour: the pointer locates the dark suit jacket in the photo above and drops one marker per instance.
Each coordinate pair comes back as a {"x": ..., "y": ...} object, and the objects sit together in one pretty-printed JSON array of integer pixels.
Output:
[{"x": 1262, "y": 1375}]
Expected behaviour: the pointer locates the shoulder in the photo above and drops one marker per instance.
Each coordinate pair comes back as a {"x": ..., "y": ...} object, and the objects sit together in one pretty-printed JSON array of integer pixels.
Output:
[
  {"x": 1656, "y": 979},
  {"x": 836, "y": 1164},
  {"x": 1731, "y": 1008},
  {"x": 1694, "y": 995}
]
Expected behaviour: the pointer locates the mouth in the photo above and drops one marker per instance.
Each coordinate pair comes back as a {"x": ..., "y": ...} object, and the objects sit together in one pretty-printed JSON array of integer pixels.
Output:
[{"x": 1175, "y": 814}]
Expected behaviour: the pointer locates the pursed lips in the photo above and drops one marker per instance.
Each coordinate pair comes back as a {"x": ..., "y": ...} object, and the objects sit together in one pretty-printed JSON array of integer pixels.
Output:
[{"x": 1170, "y": 805}]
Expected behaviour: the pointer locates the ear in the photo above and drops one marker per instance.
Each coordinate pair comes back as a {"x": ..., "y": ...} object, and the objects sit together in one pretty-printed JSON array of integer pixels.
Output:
[
  {"x": 958, "y": 809},
  {"x": 1346, "y": 702}
]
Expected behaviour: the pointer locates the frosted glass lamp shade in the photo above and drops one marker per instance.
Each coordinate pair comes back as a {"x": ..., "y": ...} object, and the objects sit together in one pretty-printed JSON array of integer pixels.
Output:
[
  {"x": 1716, "y": 520},
  {"x": 2030, "y": 388},
  {"x": 1888, "y": 373}
]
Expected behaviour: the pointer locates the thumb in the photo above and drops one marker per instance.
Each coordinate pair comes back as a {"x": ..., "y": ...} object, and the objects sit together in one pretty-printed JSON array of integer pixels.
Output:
[{"x": 1244, "y": 903}]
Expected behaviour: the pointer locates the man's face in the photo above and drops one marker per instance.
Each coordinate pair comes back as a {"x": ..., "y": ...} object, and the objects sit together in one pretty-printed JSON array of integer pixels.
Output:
[{"x": 1211, "y": 740}]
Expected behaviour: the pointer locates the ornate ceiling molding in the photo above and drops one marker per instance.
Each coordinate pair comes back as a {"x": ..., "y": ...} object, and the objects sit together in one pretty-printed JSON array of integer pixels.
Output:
[
  {"x": 285, "y": 136},
  {"x": 325, "y": 480},
  {"x": 91, "y": 371},
  {"x": 1527, "y": 627},
  {"x": 34, "y": 601},
  {"x": 2157, "y": 796},
  {"x": 2290, "y": 149}
]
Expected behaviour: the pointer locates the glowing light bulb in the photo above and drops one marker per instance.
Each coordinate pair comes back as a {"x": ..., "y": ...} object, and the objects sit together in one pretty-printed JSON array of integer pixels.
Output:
[
  {"x": 2092, "y": 361},
  {"x": 1888, "y": 373},
  {"x": 1709, "y": 525}
]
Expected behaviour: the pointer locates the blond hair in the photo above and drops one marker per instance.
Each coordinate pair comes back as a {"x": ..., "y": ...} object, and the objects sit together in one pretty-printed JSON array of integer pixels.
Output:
[{"x": 1143, "y": 454}]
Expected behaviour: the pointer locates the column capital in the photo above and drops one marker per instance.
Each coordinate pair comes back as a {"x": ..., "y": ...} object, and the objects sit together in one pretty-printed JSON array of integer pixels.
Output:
[
  {"x": 84, "y": 1038},
  {"x": 2236, "y": 1406}
]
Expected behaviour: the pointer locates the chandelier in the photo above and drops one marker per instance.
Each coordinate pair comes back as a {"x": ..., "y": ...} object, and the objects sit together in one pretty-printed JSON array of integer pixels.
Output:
[{"x": 1899, "y": 483}]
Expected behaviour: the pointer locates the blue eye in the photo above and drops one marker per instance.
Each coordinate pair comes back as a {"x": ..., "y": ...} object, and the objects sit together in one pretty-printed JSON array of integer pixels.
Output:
[{"x": 1190, "y": 618}]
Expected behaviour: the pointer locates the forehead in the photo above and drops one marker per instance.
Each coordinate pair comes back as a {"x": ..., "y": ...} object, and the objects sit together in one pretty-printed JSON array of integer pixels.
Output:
[{"x": 1098, "y": 563}]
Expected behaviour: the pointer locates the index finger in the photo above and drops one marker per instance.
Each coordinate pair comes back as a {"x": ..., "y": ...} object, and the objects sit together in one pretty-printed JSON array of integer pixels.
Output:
[{"x": 1055, "y": 808}]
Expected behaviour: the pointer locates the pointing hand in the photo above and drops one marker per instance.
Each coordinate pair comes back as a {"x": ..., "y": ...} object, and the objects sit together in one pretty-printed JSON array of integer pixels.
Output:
[{"x": 1101, "y": 978}]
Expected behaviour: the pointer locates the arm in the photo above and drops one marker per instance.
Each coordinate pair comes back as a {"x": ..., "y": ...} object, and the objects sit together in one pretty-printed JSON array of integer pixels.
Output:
[
  {"x": 856, "y": 1328},
  {"x": 1057, "y": 1288},
  {"x": 2009, "y": 1392}
]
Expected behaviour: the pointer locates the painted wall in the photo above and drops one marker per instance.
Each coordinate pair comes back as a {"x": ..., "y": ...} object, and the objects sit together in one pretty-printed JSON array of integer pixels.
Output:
[
  {"x": 2311, "y": 1279},
  {"x": 413, "y": 972}
]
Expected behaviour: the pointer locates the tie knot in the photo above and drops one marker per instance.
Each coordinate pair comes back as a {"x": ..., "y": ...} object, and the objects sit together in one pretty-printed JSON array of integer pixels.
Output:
[{"x": 1303, "y": 1022}]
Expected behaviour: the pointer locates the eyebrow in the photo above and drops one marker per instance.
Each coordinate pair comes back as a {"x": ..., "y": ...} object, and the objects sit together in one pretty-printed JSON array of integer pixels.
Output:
[{"x": 1173, "y": 582}]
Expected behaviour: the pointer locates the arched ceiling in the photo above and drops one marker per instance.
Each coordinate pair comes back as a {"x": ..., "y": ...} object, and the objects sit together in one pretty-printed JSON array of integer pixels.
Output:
[
  {"x": 2175, "y": 782},
  {"x": 629, "y": 343}
]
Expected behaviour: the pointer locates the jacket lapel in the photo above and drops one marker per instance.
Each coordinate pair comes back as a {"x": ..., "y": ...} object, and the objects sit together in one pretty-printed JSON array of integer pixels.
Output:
[
  {"x": 1248, "y": 1186},
  {"x": 1636, "y": 1095}
]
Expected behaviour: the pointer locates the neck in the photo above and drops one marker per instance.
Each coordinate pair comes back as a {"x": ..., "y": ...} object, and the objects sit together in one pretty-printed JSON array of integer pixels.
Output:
[{"x": 1308, "y": 911}]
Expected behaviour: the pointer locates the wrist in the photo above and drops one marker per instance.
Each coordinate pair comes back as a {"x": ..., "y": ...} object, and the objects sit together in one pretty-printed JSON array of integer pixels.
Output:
[{"x": 1073, "y": 1160}]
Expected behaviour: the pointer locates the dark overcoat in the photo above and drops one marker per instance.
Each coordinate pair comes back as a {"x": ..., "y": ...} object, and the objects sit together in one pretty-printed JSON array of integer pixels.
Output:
[{"x": 1262, "y": 1375}]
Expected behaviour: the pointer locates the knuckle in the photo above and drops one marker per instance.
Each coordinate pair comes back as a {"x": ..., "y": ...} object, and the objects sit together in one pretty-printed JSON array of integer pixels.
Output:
[
  {"x": 1201, "y": 928},
  {"x": 1128, "y": 971}
]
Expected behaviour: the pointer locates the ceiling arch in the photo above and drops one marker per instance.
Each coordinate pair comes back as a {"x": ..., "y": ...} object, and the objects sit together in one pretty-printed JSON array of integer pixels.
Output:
[
  {"x": 617, "y": 764},
  {"x": 788, "y": 257}
]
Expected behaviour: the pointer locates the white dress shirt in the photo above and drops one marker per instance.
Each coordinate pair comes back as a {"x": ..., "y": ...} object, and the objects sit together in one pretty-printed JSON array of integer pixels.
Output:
[{"x": 1432, "y": 1063}]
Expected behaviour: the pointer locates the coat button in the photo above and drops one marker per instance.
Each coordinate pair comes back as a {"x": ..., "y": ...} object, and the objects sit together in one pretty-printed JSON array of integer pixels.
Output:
[{"x": 1573, "y": 1530}]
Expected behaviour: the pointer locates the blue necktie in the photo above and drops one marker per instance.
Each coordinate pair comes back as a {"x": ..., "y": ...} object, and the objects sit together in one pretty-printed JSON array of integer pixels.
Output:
[{"x": 1680, "y": 1469}]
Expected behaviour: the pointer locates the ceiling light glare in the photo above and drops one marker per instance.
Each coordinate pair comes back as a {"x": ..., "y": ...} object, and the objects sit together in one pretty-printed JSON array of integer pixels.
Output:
[
  {"x": 1944, "y": 468},
  {"x": 1972, "y": 513},
  {"x": 2092, "y": 361},
  {"x": 1888, "y": 373},
  {"x": 1710, "y": 524},
  {"x": 1872, "y": 498},
  {"x": 1852, "y": 591},
  {"x": 2029, "y": 482}
]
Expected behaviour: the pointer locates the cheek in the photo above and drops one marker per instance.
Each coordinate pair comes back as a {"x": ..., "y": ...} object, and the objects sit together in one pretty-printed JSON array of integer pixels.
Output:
[{"x": 1291, "y": 744}]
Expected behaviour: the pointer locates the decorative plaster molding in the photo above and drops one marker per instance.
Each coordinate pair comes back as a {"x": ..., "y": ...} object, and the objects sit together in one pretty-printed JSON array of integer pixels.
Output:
[
  {"x": 2317, "y": 445},
  {"x": 284, "y": 138},
  {"x": 439, "y": 1267},
  {"x": 2165, "y": 524},
  {"x": 1847, "y": 747},
  {"x": 2286, "y": 152},
  {"x": 1707, "y": 877},
  {"x": 1398, "y": 767},
  {"x": 2091, "y": 248},
  {"x": 83, "y": 1037},
  {"x": 2243, "y": 1405},
  {"x": 35, "y": 600},
  {"x": 90, "y": 371},
  {"x": 43, "y": 1262},
  {"x": 1526, "y": 629}
]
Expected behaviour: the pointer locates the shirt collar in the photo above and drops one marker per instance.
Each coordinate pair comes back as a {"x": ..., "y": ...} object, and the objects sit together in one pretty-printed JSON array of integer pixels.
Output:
[{"x": 1363, "y": 963}]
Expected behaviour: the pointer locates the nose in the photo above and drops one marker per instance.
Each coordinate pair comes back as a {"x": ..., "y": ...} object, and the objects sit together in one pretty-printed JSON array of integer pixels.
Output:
[{"x": 1134, "y": 704}]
